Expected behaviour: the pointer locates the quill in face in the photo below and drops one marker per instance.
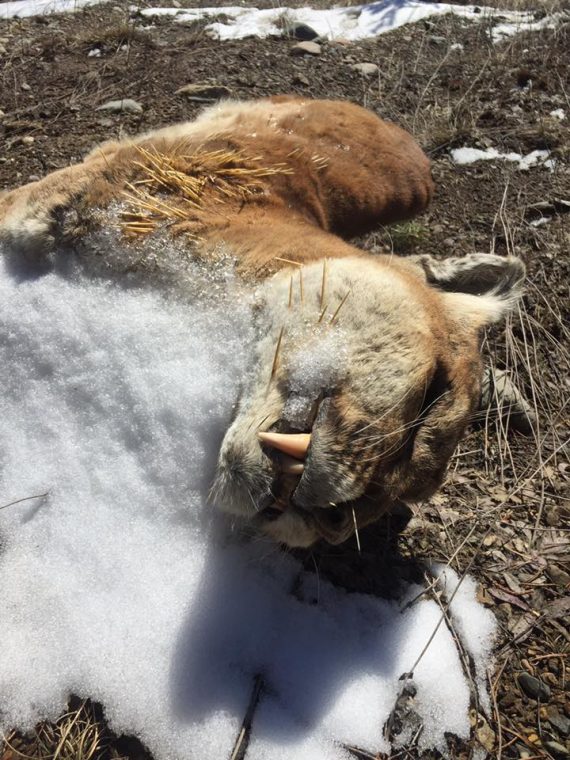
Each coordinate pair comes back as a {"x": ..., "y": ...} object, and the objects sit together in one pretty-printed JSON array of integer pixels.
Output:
[{"x": 362, "y": 386}]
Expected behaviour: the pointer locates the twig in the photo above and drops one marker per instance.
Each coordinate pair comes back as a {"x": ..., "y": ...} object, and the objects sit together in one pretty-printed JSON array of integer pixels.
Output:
[{"x": 26, "y": 498}]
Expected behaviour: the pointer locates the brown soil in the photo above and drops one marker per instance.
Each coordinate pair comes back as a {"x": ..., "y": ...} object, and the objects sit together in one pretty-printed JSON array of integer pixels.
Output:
[{"x": 503, "y": 512}]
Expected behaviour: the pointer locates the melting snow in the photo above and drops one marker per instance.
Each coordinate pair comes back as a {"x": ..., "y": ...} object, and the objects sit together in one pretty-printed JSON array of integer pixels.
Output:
[
  {"x": 558, "y": 113},
  {"x": 115, "y": 584},
  {"x": 353, "y": 23},
  {"x": 26, "y": 8},
  {"x": 471, "y": 155}
]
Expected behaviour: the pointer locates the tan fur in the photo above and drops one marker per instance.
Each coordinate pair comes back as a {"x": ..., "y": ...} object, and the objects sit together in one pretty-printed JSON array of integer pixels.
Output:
[{"x": 277, "y": 181}]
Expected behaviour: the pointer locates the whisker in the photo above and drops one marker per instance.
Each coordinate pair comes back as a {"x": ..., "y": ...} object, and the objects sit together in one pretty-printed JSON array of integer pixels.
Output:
[
  {"x": 356, "y": 530},
  {"x": 373, "y": 440}
]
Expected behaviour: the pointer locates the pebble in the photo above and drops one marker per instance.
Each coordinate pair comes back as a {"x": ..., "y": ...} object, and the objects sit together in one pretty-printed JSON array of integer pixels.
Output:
[
  {"x": 558, "y": 576},
  {"x": 27, "y": 139},
  {"x": 560, "y": 722},
  {"x": 534, "y": 687},
  {"x": 126, "y": 104},
  {"x": 306, "y": 48},
  {"x": 33, "y": 178},
  {"x": 204, "y": 92},
  {"x": 556, "y": 749},
  {"x": 366, "y": 69},
  {"x": 301, "y": 79},
  {"x": 299, "y": 31},
  {"x": 2, "y": 114},
  {"x": 25, "y": 86}
]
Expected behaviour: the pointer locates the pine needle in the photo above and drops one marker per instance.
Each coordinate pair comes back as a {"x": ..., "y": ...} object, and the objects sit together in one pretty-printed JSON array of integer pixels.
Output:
[
  {"x": 190, "y": 179},
  {"x": 323, "y": 284},
  {"x": 341, "y": 304},
  {"x": 275, "y": 358}
]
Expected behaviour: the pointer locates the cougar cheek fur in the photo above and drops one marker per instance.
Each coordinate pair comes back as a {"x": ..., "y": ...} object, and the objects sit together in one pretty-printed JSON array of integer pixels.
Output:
[{"x": 367, "y": 367}]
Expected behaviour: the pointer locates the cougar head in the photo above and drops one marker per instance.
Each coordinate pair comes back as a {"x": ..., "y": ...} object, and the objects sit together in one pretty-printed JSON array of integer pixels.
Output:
[{"x": 366, "y": 373}]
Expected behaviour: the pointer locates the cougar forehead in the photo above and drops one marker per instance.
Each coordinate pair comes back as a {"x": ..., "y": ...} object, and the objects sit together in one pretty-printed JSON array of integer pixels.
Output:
[{"x": 355, "y": 320}]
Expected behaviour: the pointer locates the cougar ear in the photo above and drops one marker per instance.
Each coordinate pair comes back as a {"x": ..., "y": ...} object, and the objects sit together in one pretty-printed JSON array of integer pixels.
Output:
[{"x": 480, "y": 287}]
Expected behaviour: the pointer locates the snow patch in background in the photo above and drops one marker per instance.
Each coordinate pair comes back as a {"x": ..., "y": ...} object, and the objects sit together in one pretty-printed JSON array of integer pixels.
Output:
[
  {"x": 116, "y": 586},
  {"x": 558, "y": 113},
  {"x": 353, "y": 23},
  {"x": 27, "y": 8},
  {"x": 471, "y": 155}
]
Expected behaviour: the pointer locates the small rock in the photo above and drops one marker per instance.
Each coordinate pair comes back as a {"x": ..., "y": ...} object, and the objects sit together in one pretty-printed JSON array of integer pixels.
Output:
[
  {"x": 25, "y": 86},
  {"x": 366, "y": 69},
  {"x": 560, "y": 722},
  {"x": 204, "y": 92},
  {"x": 301, "y": 79},
  {"x": 306, "y": 48},
  {"x": 299, "y": 31},
  {"x": 33, "y": 178},
  {"x": 556, "y": 749},
  {"x": 27, "y": 140},
  {"x": 437, "y": 40},
  {"x": 558, "y": 576},
  {"x": 2, "y": 114},
  {"x": 485, "y": 734},
  {"x": 534, "y": 687},
  {"x": 117, "y": 106}
]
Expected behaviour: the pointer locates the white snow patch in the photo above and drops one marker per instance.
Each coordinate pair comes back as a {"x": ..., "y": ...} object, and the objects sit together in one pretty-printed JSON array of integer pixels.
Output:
[
  {"x": 475, "y": 626},
  {"x": 115, "y": 585},
  {"x": 558, "y": 113},
  {"x": 26, "y": 8},
  {"x": 540, "y": 222},
  {"x": 514, "y": 26},
  {"x": 471, "y": 155},
  {"x": 353, "y": 23}
]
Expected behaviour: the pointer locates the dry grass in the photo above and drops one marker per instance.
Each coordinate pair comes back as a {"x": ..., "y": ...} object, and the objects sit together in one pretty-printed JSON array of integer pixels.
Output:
[{"x": 76, "y": 735}]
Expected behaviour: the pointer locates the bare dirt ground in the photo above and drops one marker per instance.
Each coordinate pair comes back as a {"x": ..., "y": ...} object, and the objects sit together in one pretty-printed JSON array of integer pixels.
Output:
[{"x": 503, "y": 514}]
